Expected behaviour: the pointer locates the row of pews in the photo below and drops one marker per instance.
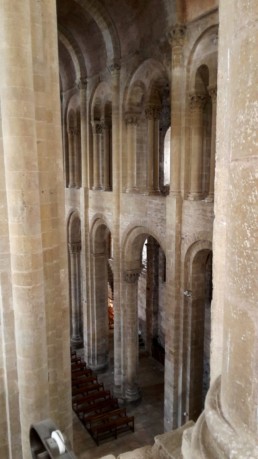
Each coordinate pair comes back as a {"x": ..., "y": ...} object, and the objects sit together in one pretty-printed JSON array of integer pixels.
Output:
[{"x": 97, "y": 409}]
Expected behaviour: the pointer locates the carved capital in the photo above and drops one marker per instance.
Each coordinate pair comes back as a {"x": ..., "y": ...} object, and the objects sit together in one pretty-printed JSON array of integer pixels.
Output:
[
  {"x": 115, "y": 67},
  {"x": 82, "y": 83},
  {"x": 132, "y": 118},
  {"x": 152, "y": 112},
  {"x": 177, "y": 36},
  {"x": 74, "y": 247},
  {"x": 97, "y": 127},
  {"x": 131, "y": 276},
  {"x": 197, "y": 101},
  {"x": 71, "y": 131},
  {"x": 213, "y": 93}
]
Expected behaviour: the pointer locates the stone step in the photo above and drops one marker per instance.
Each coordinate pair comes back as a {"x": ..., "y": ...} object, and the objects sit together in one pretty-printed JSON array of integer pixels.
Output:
[
  {"x": 168, "y": 445},
  {"x": 140, "y": 453}
]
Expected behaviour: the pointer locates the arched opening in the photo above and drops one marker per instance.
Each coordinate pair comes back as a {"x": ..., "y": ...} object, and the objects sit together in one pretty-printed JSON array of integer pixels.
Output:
[
  {"x": 101, "y": 288},
  {"x": 74, "y": 259},
  {"x": 198, "y": 331}
]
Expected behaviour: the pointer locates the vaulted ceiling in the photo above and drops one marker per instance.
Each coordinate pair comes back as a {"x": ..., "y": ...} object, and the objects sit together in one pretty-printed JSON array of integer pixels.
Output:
[{"x": 96, "y": 33}]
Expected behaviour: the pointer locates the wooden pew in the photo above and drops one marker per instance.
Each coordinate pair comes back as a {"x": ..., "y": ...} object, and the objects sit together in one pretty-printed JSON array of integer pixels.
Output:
[
  {"x": 84, "y": 380},
  {"x": 98, "y": 407},
  {"x": 80, "y": 399},
  {"x": 79, "y": 373},
  {"x": 87, "y": 388},
  {"x": 110, "y": 424}
]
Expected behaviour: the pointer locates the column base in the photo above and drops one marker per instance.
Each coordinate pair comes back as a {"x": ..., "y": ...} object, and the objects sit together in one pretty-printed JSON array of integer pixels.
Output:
[
  {"x": 152, "y": 193},
  {"x": 195, "y": 197},
  {"x": 210, "y": 198},
  {"x": 132, "y": 393},
  {"x": 76, "y": 342},
  {"x": 213, "y": 437},
  {"x": 97, "y": 188}
]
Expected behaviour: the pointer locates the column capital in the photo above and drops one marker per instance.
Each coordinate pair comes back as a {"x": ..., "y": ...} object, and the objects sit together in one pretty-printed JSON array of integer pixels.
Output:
[
  {"x": 176, "y": 36},
  {"x": 132, "y": 118},
  {"x": 131, "y": 276},
  {"x": 97, "y": 127},
  {"x": 197, "y": 101},
  {"x": 114, "y": 67},
  {"x": 71, "y": 130},
  {"x": 152, "y": 112},
  {"x": 81, "y": 83},
  {"x": 74, "y": 247},
  {"x": 213, "y": 92}
]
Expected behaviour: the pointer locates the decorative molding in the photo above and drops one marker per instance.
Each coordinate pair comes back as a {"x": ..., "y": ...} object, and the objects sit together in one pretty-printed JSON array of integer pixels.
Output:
[
  {"x": 82, "y": 83},
  {"x": 132, "y": 118},
  {"x": 115, "y": 67},
  {"x": 153, "y": 112},
  {"x": 177, "y": 36},
  {"x": 131, "y": 276},
  {"x": 197, "y": 101},
  {"x": 74, "y": 247},
  {"x": 213, "y": 93}
]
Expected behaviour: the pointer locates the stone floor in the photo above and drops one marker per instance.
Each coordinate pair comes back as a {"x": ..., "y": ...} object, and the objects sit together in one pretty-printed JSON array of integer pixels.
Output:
[{"x": 148, "y": 414}]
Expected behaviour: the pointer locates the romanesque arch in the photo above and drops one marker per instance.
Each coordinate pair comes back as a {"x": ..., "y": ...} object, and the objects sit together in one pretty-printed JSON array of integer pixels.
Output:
[
  {"x": 98, "y": 328},
  {"x": 197, "y": 326},
  {"x": 74, "y": 258},
  {"x": 137, "y": 275}
]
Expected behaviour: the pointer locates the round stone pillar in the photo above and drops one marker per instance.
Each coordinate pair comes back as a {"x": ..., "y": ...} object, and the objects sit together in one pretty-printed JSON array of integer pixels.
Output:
[
  {"x": 132, "y": 123},
  {"x": 178, "y": 70},
  {"x": 106, "y": 156},
  {"x": 71, "y": 134},
  {"x": 75, "y": 289},
  {"x": 132, "y": 392},
  {"x": 77, "y": 157},
  {"x": 97, "y": 146},
  {"x": 82, "y": 85},
  {"x": 213, "y": 95},
  {"x": 228, "y": 427},
  {"x": 152, "y": 114},
  {"x": 197, "y": 102}
]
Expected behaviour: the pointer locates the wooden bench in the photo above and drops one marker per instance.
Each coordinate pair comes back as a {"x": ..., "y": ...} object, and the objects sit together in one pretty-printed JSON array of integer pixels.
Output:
[
  {"x": 112, "y": 424},
  {"x": 84, "y": 380},
  {"x": 103, "y": 418},
  {"x": 98, "y": 407},
  {"x": 80, "y": 399},
  {"x": 78, "y": 366},
  {"x": 79, "y": 373},
  {"x": 87, "y": 388}
]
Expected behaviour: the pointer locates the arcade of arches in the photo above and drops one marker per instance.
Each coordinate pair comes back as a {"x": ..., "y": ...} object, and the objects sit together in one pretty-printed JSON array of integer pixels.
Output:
[{"x": 116, "y": 155}]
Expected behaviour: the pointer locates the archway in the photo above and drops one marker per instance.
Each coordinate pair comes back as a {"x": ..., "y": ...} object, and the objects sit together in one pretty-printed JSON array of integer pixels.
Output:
[
  {"x": 74, "y": 258},
  {"x": 197, "y": 328}
]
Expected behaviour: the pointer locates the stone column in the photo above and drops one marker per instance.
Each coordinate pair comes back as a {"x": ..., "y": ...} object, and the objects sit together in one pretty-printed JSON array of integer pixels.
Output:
[
  {"x": 197, "y": 102},
  {"x": 152, "y": 114},
  {"x": 106, "y": 157},
  {"x": 228, "y": 427},
  {"x": 132, "y": 123},
  {"x": 71, "y": 133},
  {"x": 152, "y": 294},
  {"x": 132, "y": 352},
  {"x": 213, "y": 94},
  {"x": 177, "y": 39},
  {"x": 99, "y": 316},
  {"x": 30, "y": 107},
  {"x": 77, "y": 158},
  {"x": 82, "y": 85},
  {"x": 75, "y": 286},
  {"x": 97, "y": 145}
]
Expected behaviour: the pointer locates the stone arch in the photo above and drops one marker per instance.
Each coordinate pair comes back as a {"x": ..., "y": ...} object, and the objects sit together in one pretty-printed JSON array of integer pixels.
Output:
[
  {"x": 136, "y": 274},
  {"x": 147, "y": 116},
  {"x": 98, "y": 347},
  {"x": 202, "y": 87},
  {"x": 106, "y": 26},
  {"x": 73, "y": 49},
  {"x": 197, "y": 326},
  {"x": 74, "y": 265},
  {"x": 101, "y": 137}
]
